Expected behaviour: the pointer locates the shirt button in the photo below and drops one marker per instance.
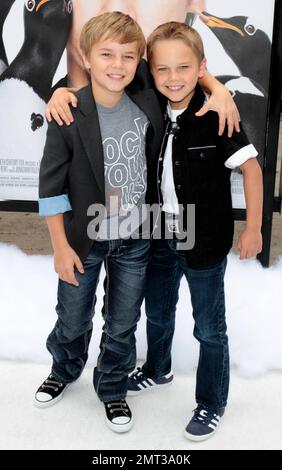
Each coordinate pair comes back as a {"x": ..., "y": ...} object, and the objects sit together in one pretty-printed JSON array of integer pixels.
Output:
[
  {"x": 159, "y": 181},
  {"x": 177, "y": 163},
  {"x": 179, "y": 186},
  {"x": 160, "y": 160},
  {"x": 202, "y": 154}
]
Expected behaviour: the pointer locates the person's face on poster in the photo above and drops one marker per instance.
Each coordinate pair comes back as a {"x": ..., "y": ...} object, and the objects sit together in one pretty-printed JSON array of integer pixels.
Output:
[{"x": 148, "y": 14}]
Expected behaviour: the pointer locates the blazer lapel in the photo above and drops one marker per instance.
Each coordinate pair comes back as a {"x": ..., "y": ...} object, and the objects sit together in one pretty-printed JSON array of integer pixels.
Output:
[{"x": 89, "y": 130}]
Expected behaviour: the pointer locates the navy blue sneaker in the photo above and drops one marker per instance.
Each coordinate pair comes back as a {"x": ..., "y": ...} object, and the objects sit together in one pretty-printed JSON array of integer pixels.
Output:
[
  {"x": 138, "y": 382},
  {"x": 204, "y": 423}
]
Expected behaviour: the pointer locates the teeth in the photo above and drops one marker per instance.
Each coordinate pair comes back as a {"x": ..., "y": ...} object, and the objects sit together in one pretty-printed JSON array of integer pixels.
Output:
[
  {"x": 174, "y": 88},
  {"x": 115, "y": 76}
]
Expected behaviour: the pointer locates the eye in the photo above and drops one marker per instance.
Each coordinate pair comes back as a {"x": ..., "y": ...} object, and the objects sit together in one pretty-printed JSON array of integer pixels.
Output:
[
  {"x": 68, "y": 4},
  {"x": 250, "y": 29},
  {"x": 30, "y": 4}
]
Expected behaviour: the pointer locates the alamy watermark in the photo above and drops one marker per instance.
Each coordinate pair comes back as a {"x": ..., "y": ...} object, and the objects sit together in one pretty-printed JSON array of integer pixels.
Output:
[{"x": 144, "y": 222}]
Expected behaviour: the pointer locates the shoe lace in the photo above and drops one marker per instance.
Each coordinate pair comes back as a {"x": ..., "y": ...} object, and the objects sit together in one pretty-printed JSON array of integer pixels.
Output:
[
  {"x": 119, "y": 405},
  {"x": 138, "y": 376},
  {"x": 51, "y": 382},
  {"x": 203, "y": 415}
]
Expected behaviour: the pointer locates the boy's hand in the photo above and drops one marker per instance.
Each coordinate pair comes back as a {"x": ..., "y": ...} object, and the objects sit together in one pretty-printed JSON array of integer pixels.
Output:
[
  {"x": 58, "y": 106},
  {"x": 249, "y": 243},
  {"x": 221, "y": 102},
  {"x": 64, "y": 260}
]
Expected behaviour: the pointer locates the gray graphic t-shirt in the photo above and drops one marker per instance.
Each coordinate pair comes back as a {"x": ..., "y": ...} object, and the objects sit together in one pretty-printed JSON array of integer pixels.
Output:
[{"x": 123, "y": 130}]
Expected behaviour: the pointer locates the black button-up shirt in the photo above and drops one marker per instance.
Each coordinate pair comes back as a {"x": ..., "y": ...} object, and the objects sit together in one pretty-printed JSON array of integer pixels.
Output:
[{"x": 201, "y": 178}]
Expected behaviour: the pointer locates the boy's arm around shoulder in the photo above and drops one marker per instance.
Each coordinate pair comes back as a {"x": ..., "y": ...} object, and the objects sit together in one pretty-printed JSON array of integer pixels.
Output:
[
  {"x": 54, "y": 167},
  {"x": 58, "y": 107}
]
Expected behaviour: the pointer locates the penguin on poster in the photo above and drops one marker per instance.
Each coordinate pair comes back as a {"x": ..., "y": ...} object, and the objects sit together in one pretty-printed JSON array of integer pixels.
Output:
[
  {"x": 25, "y": 87},
  {"x": 250, "y": 49}
]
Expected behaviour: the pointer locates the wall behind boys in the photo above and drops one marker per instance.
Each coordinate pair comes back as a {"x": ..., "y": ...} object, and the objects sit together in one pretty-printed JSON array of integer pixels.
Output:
[{"x": 237, "y": 37}]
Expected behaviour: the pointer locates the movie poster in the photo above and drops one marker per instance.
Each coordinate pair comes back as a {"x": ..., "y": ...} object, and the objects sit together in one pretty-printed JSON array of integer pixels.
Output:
[{"x": 39, "y": 46}]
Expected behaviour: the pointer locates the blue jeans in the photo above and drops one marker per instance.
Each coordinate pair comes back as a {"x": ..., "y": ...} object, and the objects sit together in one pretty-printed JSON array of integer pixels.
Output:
[
  {"x": 126, "y": 263},
  {"x": 206, "y": 286}
]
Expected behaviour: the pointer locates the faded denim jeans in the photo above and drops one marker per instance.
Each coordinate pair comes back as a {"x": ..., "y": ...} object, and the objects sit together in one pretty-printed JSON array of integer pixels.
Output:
[
  {"x": 206, "y": 286},
  {"x": 126, "y": 263}
]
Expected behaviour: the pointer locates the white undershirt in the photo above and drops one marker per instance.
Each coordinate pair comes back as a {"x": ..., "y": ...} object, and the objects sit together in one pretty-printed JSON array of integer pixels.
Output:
[{"x": 170, "y": 202}]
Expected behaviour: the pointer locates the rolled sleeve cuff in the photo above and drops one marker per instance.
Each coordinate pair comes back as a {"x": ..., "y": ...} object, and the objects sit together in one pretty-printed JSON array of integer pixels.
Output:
[
  {"x": 240, "y": 157},
  {"x": 54, "y": 205}
]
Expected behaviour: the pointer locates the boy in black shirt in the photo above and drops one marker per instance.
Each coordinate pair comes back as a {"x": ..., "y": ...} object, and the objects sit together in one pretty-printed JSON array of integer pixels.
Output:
[{"x": 194, "y": 168}]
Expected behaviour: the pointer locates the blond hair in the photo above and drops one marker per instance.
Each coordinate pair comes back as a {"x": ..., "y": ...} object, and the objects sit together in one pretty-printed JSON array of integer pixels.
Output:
[
  {"x": 112, "y": 25},
  {"x": 179, "y": 31}
]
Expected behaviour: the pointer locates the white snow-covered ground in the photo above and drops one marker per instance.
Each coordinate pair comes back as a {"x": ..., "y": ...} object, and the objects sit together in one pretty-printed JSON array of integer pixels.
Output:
[
  {"x": 28, "y": 286},
  {"x": 252, "y": 419},
  {"x": 27, "y": 313}
]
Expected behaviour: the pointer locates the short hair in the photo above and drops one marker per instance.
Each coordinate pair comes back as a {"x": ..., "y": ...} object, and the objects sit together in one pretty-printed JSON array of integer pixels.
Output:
[
  {"x": 112, "y": 25},
  {"x": 180, "y": 31}
]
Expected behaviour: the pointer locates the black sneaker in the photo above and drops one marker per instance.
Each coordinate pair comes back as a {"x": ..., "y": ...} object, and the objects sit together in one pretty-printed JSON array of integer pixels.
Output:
[
  {"x": 204, "y": 423},
  {"x": 138, "y": 382},
  {"x": 118, "y": 415},
  {"x": 49, "y": 392}
]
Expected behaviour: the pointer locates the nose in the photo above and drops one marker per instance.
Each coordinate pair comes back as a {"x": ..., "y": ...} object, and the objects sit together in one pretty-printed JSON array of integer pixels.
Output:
[
  {"x": 117, "y": 62},
  {"x": 173, "y": 75}
]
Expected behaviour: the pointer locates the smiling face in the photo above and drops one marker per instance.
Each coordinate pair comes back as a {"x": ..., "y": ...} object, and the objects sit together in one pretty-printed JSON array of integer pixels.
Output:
[
  {"x": 112, "y": 67},
  {"x": 176, "y": 70}
]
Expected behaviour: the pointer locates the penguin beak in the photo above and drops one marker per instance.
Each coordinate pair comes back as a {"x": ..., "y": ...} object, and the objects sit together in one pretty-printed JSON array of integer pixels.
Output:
[
  {"x": 214, "y": 22},
  {"x": 40, "y": 4}
]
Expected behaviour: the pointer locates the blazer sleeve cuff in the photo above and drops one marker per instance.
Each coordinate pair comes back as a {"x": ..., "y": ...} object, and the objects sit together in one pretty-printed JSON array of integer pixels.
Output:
[
  {"x": 54, "y": 205},
  {"x": 241, "y": 156}
]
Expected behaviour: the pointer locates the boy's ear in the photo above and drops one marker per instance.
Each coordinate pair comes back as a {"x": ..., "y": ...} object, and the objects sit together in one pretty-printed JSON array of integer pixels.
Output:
[
  {"x": 86, "y": 62},
  {"x": 202, "y": 68}
]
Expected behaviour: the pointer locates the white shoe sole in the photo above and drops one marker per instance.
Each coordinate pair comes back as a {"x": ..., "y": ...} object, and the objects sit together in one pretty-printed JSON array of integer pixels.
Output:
[
  {"x": 119, "y": 428},
  {"x": 132, "y": 393},
  {"x": 191, "y": 437},
  {"x": 46, "y": 404}
]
